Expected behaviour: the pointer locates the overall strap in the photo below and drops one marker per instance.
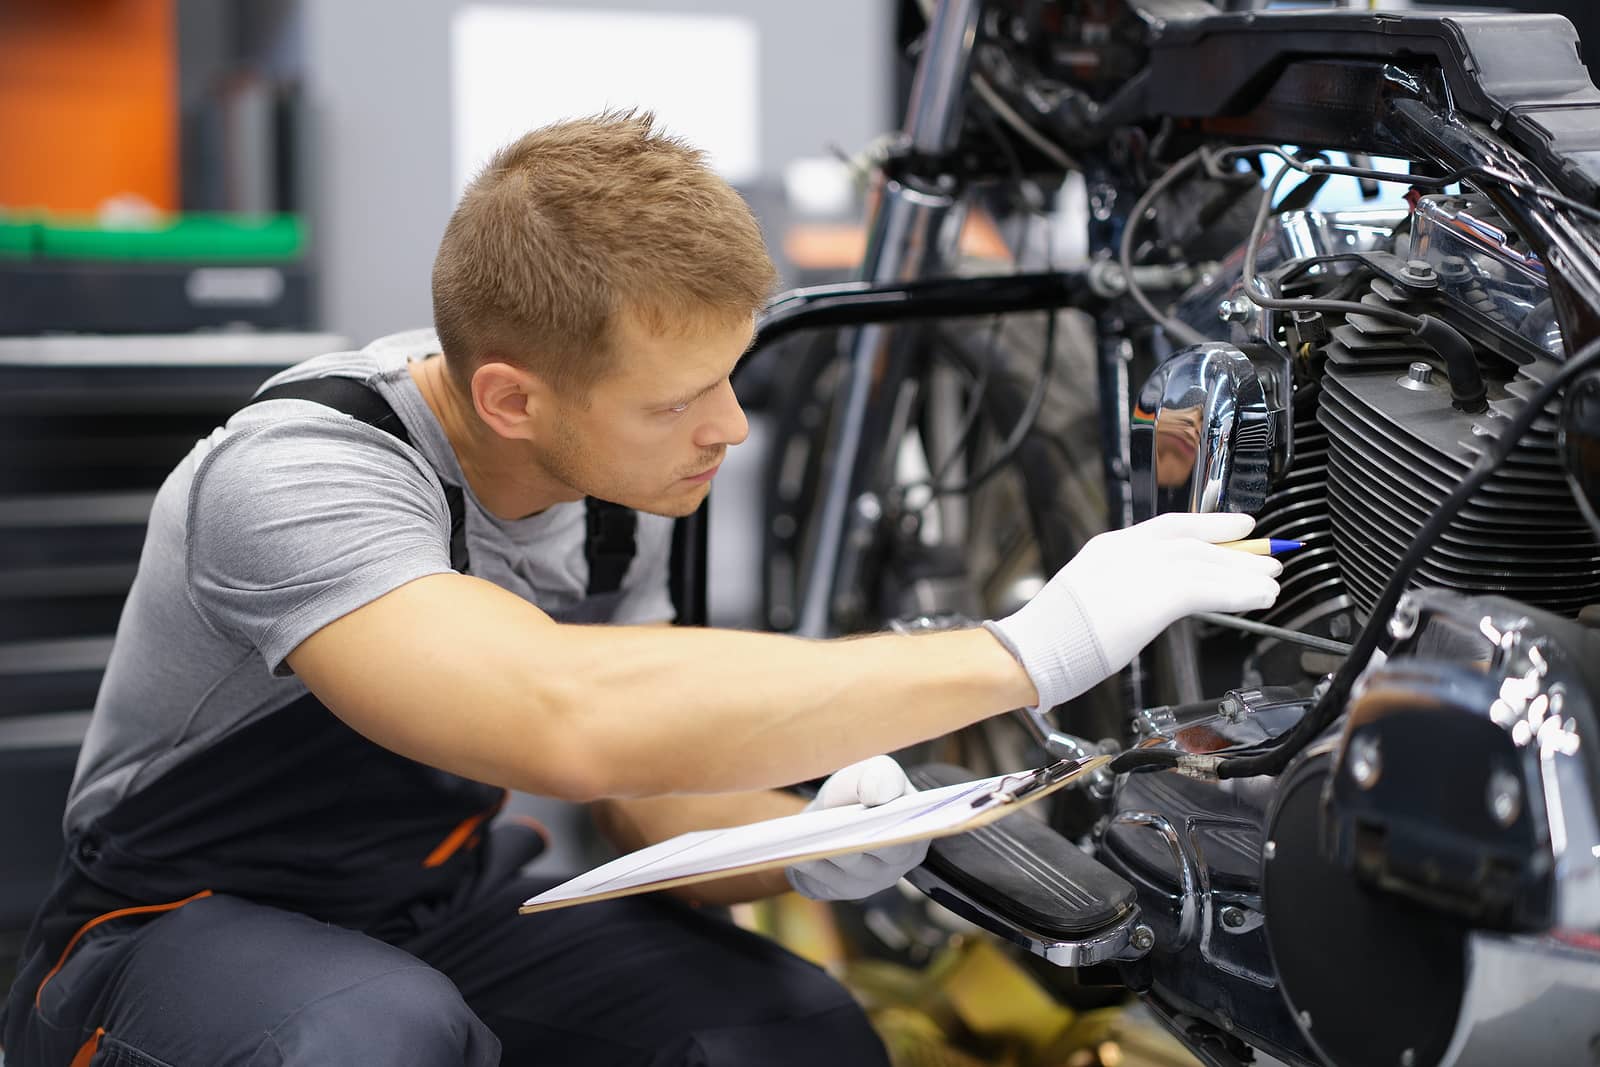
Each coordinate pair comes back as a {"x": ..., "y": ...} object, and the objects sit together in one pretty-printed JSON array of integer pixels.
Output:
[
  {"x": 609, "y": 544},
  {"x": 365, "y": 404}
]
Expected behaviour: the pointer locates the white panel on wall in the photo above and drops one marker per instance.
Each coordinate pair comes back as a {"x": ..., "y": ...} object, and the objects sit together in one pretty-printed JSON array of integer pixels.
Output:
[{"x": 517, "y": 68}]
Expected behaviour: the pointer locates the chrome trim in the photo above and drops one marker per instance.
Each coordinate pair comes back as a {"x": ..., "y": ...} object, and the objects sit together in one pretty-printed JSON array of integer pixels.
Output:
[
  {"x": 1188, "y": 871},
  {"x": 1530, "y": 710},
  {"x": 1204, "y": 435}
]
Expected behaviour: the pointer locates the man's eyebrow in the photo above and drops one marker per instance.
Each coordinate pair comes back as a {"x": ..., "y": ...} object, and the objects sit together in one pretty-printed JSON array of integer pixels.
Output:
[{"x": 689, "y": 398}]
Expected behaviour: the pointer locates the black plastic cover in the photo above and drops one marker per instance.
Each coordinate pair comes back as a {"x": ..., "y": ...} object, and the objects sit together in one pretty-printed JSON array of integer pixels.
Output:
[
  {"x": 1521, "y": 74},
  {"x": 1369, "y": 975}
]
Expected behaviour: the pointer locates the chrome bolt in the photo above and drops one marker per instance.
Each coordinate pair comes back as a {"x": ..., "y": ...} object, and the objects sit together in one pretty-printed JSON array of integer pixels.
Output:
[
  {"x": 1403, "y": 623},
  {"x": 1270, "y": 849},
  {"x": 1143, "y": 939},
  {"x": 1232, "y": 917},
  {"x": 1305, "y": 1020},
  {"x": 1231, "y": 708},
  {"x": 1505, "y": 797},
  {"x": 1418, "y": 270},
  {"x": 1366, "y": 761},
  {"x": 1420, "y": 372},
  {"x": 869, "y": 507},
  {"x": 1234, "y": 310}
]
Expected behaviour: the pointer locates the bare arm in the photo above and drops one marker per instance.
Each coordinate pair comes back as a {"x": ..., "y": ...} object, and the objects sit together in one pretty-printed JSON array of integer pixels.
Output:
[
  {"x": 457, "y": 673},
  {"x": 633, "y": 824}
]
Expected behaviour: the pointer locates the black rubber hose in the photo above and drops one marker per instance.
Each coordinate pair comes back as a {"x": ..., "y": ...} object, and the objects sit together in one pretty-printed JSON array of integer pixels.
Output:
[
  {"x": 1180, "y": 331},
  {"x": 1467, "y": 391}
]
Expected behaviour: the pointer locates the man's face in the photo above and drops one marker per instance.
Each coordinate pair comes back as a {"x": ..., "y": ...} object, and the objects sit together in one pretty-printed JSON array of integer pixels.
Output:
[{"x": 653, "y": 433}]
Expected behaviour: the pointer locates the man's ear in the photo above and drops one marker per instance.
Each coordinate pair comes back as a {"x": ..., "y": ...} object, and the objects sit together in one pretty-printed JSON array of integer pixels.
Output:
[{"x": 508, "y": 398}]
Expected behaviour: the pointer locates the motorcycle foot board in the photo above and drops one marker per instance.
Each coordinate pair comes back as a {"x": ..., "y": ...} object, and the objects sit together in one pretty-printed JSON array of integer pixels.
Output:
[
  {"x": 1021, "y": 880},
  {"x": 1119, "y": 941}
]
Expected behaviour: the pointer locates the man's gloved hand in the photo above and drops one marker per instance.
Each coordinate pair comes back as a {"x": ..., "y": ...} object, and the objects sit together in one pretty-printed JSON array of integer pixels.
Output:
[
  {"x": 871, "y": 782},
  {"x": 1125, "y": 587}
]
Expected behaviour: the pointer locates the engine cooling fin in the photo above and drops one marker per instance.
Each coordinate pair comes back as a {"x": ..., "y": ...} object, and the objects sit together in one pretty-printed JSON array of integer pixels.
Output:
[
  {"x": 1397, "y": 448},
  {"x": 1297, "y": 510}
]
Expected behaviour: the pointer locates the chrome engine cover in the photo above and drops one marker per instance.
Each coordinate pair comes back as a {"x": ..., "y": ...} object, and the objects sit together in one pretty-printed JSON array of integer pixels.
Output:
[{"x": 1448, "y": 844}]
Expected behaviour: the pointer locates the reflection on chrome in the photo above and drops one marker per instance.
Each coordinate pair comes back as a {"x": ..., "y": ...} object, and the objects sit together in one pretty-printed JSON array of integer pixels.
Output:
[{"x": 1203, "y": 434}]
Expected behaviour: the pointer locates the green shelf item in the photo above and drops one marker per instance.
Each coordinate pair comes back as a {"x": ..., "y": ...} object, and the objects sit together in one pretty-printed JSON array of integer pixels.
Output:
[
  {"x": 19, "y": 237},
  {"x": 189, "y": 238}
]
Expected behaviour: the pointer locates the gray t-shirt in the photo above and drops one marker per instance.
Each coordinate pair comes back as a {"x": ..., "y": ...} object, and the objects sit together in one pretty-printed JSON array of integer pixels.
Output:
[{"x": 285, "y": 519}]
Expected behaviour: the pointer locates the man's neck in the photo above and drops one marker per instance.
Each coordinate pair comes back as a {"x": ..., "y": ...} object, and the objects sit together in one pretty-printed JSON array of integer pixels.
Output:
[{"x": 502, "y": 474}]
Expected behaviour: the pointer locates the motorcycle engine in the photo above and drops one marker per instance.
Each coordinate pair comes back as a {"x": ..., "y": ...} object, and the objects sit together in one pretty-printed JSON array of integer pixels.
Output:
[
  {"x": 1418, "y": 888},
  {"x": 1375, "y": 442}
]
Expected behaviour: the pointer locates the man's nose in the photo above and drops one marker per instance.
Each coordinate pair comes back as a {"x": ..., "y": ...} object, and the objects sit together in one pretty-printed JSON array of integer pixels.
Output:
[{"x": 725, "y": 422}]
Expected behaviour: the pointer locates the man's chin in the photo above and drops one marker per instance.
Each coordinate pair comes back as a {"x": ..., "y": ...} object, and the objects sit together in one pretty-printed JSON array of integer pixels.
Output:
[{"x": 673, "y": 505}]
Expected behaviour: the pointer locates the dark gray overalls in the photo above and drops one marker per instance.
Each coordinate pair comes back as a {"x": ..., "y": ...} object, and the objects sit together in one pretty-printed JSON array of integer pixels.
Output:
[{"x": 299, "y": 895}]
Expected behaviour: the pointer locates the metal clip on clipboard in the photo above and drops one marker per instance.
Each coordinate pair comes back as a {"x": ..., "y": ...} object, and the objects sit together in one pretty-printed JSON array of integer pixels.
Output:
[{"x": 1014, "y": 787}]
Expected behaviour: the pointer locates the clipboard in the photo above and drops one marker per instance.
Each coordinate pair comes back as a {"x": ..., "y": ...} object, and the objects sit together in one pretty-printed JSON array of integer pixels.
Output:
[{"x": 707, "y": 855}]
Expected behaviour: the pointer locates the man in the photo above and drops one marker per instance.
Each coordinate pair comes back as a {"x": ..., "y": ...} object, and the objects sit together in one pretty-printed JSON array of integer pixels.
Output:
[{"x": 278, "y": 843}]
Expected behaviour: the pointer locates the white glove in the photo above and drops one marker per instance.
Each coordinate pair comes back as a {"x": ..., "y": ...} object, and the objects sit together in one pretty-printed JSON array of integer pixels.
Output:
[
  {"x": 1125, "y": 587},
  {"x": 871, "y": 782}
]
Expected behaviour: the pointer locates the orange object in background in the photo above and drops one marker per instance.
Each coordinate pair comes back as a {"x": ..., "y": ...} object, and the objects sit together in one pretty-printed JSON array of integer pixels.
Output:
[{"x": 88, "y": 103}]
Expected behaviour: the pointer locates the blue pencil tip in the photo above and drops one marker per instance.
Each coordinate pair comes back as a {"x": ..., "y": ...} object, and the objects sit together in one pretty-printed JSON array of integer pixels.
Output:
[{"x": 1278, "y": 546}]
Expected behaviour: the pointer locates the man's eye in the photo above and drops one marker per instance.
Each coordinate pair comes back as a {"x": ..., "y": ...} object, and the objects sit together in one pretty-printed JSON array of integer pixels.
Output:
[{"x": 679, "y": 409}]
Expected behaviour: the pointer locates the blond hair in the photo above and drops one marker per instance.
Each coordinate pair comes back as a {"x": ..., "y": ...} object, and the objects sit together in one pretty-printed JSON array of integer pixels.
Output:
[{"x": 581, "y": 222}]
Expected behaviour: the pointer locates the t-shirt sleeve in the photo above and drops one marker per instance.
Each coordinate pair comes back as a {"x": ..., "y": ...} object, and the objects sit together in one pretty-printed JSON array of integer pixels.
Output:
[
  {"x": 299, "y": 522},
  {"x": 647, "y": 595}
]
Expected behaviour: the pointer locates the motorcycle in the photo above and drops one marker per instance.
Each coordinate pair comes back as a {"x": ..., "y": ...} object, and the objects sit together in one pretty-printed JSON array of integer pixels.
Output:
[{"x": 1363, "y": 826}]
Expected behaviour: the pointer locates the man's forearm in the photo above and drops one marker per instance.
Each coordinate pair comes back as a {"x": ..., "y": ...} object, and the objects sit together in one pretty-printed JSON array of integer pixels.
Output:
[
  {"x": 459, "y": 674},
  {"x": 635, "y": 824},
  {"x": 672, "y": 711}
]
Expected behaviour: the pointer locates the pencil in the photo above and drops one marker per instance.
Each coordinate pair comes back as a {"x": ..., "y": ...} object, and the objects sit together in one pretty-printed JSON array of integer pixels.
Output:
[{"x": 1262, "y": 546}]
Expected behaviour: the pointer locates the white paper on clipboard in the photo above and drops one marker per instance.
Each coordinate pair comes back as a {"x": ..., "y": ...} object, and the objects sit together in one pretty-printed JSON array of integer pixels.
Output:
[{"x": 708, "y": 854}]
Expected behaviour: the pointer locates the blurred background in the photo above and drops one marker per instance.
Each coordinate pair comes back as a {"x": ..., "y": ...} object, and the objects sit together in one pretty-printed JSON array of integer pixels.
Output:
[
  {"x": 196, "y": 184},
  {"x": 197, "y": 193},
  {"x": 332, "y": 139}
]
